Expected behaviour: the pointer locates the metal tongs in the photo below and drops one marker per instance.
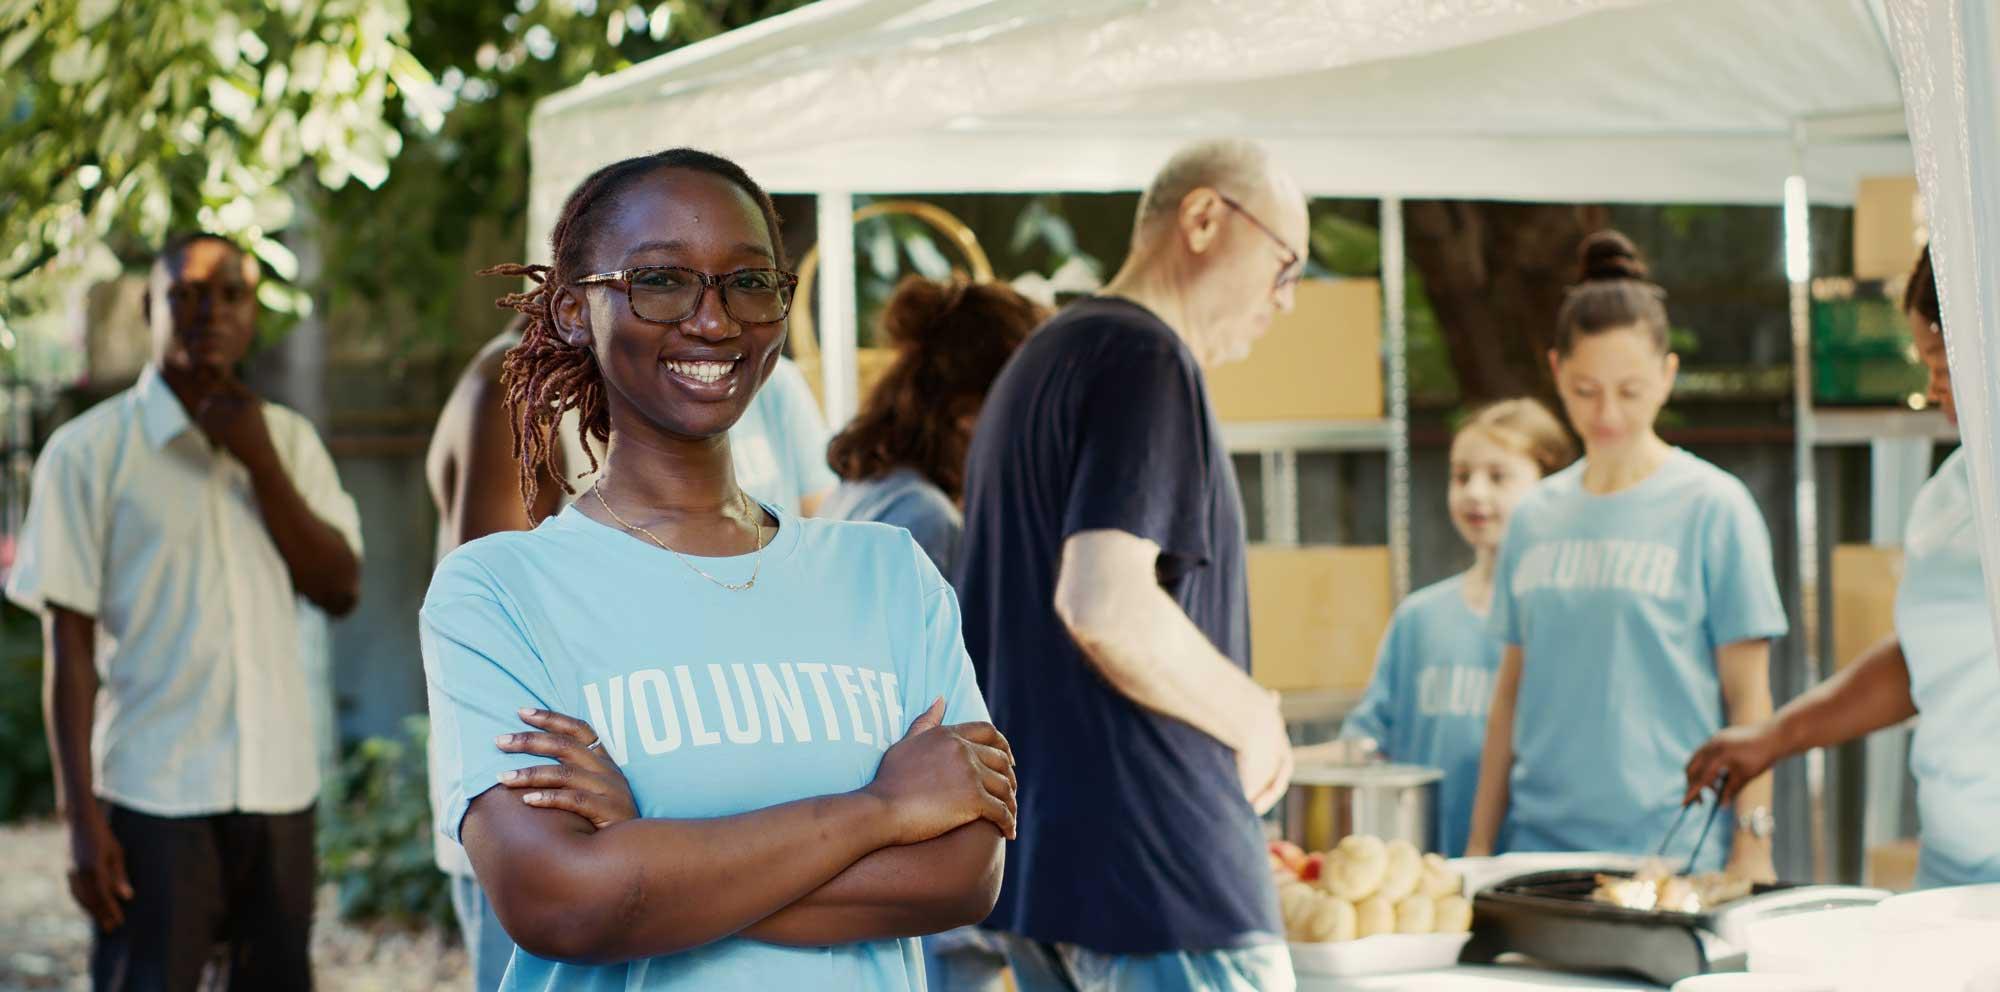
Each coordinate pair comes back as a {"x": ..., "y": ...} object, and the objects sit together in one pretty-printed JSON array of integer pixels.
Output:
[{"x": 1695, "y": 855}]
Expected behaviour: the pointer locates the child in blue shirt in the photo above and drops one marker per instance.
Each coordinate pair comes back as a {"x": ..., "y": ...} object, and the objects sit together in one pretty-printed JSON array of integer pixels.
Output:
[
  {"x": 1637, "y": 598},
  {"x": 786, "y": 775},
  {"x": 1426, "y": 703}
]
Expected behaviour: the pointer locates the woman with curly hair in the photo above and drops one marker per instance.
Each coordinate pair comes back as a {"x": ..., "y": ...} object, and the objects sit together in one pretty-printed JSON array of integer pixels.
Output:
[{"x": 902, "y": 460}]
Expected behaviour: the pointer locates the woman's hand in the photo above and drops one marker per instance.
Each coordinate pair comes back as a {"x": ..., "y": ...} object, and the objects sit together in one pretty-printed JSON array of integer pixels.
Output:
[
  {"x": 937, "y": 778},
  {"x": 1742, "y": 753},
  {"x": 584, "y": 781}
]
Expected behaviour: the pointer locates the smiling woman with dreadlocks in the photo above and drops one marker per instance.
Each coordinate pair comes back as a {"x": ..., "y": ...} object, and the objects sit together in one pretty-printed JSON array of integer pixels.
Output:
[{"x": 811, "y": 778}]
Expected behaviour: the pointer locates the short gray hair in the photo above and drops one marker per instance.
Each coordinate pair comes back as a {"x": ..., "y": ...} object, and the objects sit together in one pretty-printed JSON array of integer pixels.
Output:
[{"x": 1229, "y": 165}]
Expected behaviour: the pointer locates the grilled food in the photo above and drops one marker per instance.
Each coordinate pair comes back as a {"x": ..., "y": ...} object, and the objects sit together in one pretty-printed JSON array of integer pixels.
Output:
[{"x": 1654, "y": 887}]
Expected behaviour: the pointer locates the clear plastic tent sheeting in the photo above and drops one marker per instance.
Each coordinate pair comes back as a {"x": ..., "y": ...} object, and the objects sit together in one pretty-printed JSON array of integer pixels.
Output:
[{"x": 1948, "y": 52}]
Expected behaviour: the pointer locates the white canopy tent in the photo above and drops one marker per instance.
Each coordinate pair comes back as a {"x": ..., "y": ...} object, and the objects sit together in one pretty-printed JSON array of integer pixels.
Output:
[
  {"x": 1568, "y": 100},
  {"x": 1557, "y": 100},
  {"x": 1709, "y": 101}
]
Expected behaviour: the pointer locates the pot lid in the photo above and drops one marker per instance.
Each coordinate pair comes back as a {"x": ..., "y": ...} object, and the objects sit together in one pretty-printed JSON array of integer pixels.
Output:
[{"x": 1382, "y": 775}]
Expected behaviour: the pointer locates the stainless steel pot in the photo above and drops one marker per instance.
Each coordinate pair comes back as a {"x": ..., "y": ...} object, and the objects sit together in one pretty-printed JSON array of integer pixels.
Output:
[{"x": 1327, "y": 802}]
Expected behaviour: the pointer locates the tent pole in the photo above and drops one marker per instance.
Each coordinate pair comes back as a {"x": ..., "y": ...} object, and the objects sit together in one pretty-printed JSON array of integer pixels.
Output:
[
  {"x": 1393, "y": 345},
  {"x": 838, "y": 335},
  {"x": 1798, "y": 273}
]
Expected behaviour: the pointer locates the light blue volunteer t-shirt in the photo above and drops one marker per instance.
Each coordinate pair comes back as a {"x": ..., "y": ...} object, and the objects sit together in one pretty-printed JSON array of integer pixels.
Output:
[
  {"x": 714, "y": 702},
  {"x": 1946, "y": 629},
  {"x": 1618, "y": 603},
  {"x": 779, "y": 447},
  {"x": 1427, "y": 701}
]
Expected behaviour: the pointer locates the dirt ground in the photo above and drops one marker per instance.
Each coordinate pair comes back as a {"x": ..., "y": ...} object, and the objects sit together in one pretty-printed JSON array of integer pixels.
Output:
[{"x": 44, "y": 942}]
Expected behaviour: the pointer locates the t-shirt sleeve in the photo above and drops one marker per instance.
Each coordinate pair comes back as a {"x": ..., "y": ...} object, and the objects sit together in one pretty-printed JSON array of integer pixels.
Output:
[
  {"x": 1375, "y": 715},
  {"x": 1738, "y": 571},
  {"x": 803, "y": 430},
  {"x": 1142, "y": 451},
  {"x": 59, "y": 556},
  {"x": 1504, "y": 620},
  {"x": 935, "y": 530},
  {"x": 947, "y": 668},
  {"x": 480, "y": 669},
  {"x": 316, "y": 479}
]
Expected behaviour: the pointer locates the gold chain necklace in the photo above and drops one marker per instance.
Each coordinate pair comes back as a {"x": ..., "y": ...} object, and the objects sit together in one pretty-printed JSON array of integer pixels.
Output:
[{"x": 731, "y": 586}]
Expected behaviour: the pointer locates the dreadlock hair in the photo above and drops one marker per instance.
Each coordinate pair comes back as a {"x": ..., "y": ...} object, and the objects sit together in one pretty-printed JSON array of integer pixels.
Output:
[
  {"x": 544, "y": 376},
  {"x": 950, "y": 340}
]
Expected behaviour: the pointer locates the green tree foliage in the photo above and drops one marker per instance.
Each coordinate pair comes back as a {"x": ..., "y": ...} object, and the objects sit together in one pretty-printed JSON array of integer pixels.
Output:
[
  {"x": 123, "y": 120},
  {"x": 401, "y": 250}
]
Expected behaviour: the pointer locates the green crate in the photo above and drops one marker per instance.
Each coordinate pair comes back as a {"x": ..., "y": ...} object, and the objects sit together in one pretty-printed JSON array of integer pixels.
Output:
[{"x": 1862, "y": 354}]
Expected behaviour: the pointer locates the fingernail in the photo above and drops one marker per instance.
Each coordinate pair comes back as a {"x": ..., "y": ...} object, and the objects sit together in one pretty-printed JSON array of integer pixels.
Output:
[
  {"x": 510, "y": 775},
  {"x": 526, "y": 711},
  {"x": 532, "y": 798}
]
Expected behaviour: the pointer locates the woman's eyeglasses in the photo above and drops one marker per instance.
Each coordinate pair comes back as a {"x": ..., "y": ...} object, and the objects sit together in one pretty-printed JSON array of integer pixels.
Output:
[{"x": 669, "y": 294}]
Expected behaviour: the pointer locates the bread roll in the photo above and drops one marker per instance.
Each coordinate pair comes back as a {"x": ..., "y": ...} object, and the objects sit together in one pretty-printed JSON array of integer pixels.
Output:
[
  {"x": 1374, "y": 915},
  {"x": 1453, "y": 915},
  {"x": 1416, "y": 914},
  {"x": 1439, "y": 880},
  {"x": 1331, "y": 920},
  {"x": 1363, "y": 844},
  {"x": 1296, "y": 901},
  {"x": 1355, "y": 869},
  {"x": 1404, "y": 868}
]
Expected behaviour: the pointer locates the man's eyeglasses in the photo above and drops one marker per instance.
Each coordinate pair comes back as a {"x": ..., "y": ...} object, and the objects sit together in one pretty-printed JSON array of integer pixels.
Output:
[
  {"x": 669, "y": 294},
  {"x": 1294, "y": 266}
]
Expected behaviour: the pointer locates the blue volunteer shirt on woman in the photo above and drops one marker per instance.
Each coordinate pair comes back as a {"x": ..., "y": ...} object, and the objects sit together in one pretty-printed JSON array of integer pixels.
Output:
[
  {"x": 1427, "y": 701},
  {"x": 1946, "y": 630},
  {"x": 1618, "y": 602},
  {"x": 714, "y": 702}
]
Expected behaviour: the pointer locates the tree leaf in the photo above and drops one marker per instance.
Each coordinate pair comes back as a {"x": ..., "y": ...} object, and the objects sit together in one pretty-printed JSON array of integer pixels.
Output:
[
  {"x": 17, "y": 44},
  {"x": 230, "y": 99},
  {"x": 91, "y": 13},
  {"x": 278, "y": 257}
]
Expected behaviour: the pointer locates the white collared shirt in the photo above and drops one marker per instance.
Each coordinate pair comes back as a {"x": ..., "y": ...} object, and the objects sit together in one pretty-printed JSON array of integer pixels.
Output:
[{"x": 138, "y": 520}]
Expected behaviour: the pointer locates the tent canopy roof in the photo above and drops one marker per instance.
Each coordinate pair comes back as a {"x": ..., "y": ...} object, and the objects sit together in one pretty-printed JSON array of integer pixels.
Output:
[{"x": 1558, "y": 100}]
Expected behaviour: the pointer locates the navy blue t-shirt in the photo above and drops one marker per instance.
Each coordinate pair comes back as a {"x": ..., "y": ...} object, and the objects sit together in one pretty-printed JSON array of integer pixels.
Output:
[{"x": 1135, "y": 837}]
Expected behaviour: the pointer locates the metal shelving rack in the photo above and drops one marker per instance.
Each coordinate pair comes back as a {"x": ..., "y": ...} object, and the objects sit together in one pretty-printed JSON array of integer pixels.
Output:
[
  {"x": 1278, "y": 446},
  {"x": 1815, "y": 429}
]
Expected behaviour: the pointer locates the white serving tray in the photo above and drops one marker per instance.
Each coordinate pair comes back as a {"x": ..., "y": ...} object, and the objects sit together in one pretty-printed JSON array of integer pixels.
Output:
[{"x": 1381, "y": 954}]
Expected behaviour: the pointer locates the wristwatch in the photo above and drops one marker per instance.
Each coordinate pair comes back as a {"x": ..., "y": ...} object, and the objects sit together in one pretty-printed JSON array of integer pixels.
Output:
[{"x": 1758, "y": 823}]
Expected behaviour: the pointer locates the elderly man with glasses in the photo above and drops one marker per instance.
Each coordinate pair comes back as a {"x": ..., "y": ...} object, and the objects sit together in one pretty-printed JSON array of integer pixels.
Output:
[{"x": 1105, "y": 605}]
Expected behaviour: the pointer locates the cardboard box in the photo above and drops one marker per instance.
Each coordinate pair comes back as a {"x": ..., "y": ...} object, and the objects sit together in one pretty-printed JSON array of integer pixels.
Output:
[
  {"x": 1865, "y": 578},
  {"x": 1322, "y": 361},
  {"x": 1317, "y": 615},
  {"x": 1889, "y": 227},
  {"x": 1892, "y": 866}
]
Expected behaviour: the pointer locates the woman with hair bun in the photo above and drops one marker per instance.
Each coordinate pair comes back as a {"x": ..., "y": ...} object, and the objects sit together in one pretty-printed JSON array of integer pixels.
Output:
[
  {"x": 902, "y": 459},
  {"x": 1637, "y": 600}
]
